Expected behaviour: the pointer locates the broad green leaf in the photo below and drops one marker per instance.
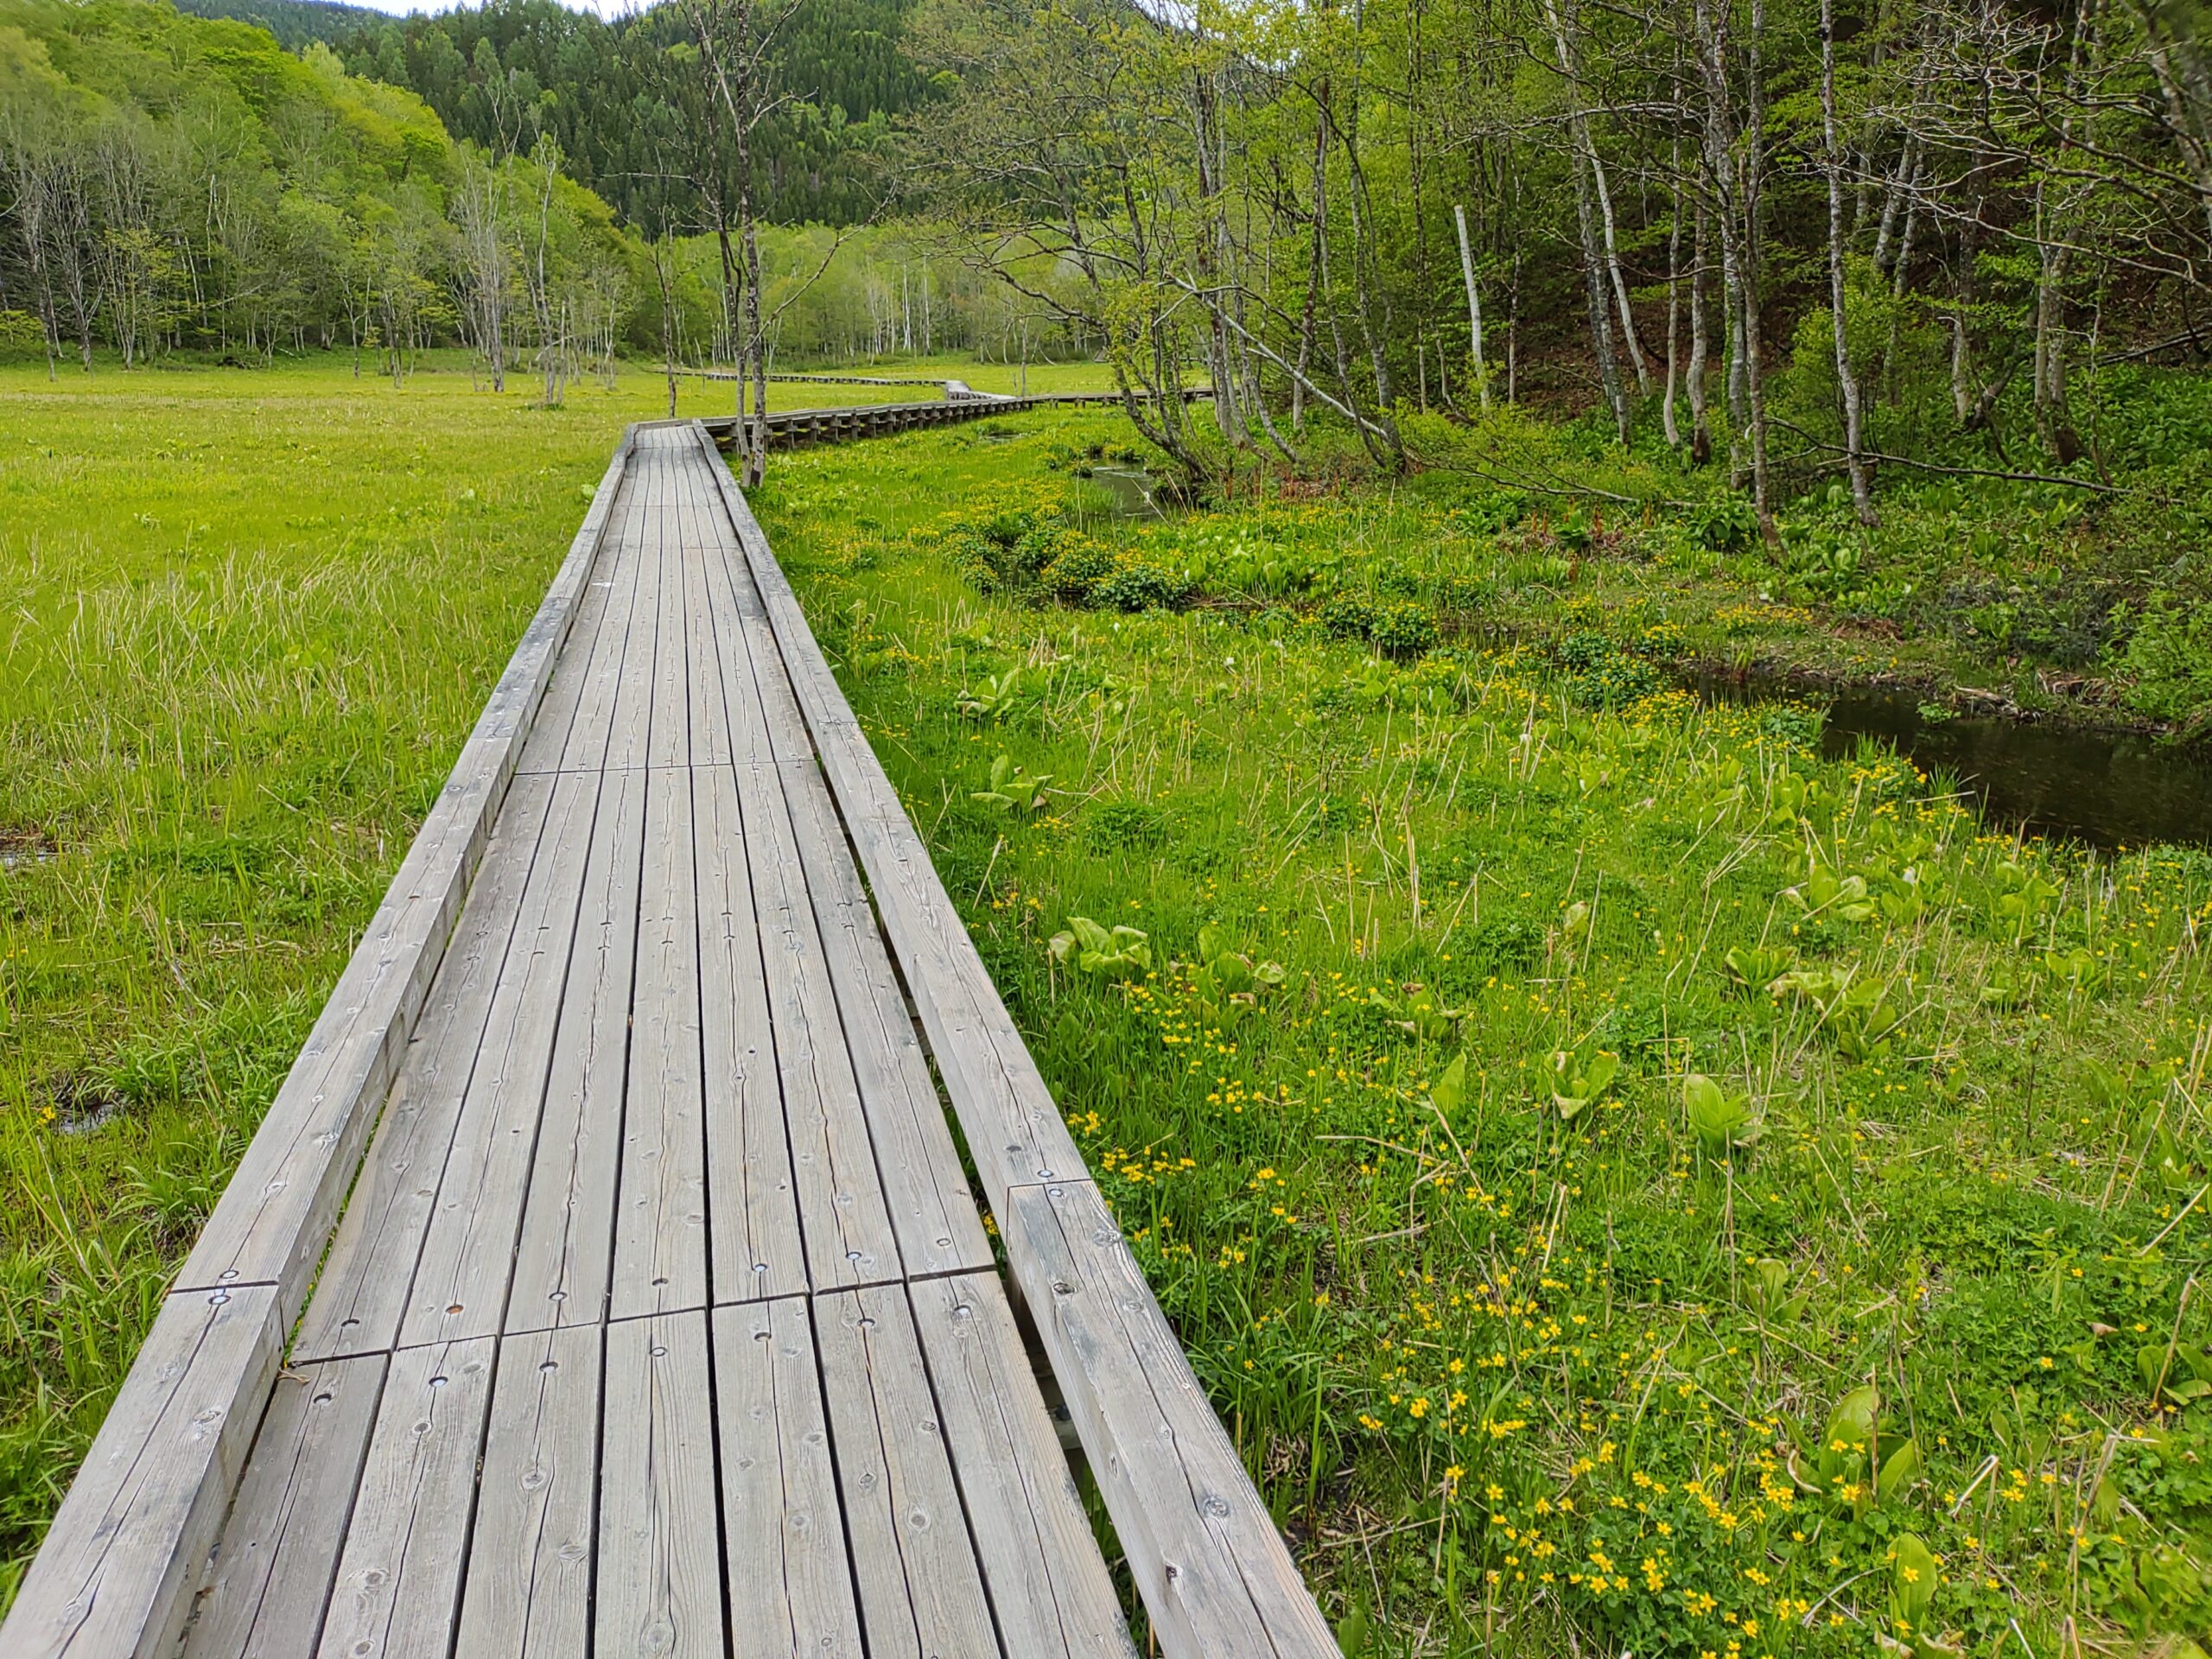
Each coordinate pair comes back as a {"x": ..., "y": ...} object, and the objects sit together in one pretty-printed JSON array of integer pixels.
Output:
[
  {"x": 1916, "y": 1578},
  {"x": 1899, "y": 1470},
  {"x": 1451, "y": 1088}
]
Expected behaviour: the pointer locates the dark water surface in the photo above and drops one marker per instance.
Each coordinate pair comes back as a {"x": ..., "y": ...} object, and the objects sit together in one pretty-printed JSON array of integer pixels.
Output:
[
  {"x": 2107, "y": 788},
  {"x": 1135, "y": 494}
]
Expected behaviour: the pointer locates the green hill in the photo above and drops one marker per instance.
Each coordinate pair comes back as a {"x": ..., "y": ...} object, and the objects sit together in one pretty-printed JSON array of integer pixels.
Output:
[
  {"x": 621, "y": 98},
  {"x": 295, "y": 23}
]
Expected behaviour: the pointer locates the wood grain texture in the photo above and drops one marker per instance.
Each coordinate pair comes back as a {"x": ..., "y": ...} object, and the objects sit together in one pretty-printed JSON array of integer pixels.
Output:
[
  {"x": 115, "y": 1575},
  {"x": 841, "y": 1201},
  {"x": 660, "y": 1551},
  {"x": 528, "y": 1595},
  {"x": 757, "y": 1250},
  {"x": 669, "y": 739},
  {"x": 1049, "y": 1587},
  {"x": 745, "y": 720},
  {"x": 361, "y": 1293},
  {"x": 399, "y": 1577},
  {"x": 933, "y": 1213},
  {"x": 460, "y": 1284},
  {"x": 660, "y": 1224},
  {"x": 790, "y": 1586},
  {"x": 584, "y": 747},
  {"x": 270, "y": 1578},
  {"x": 563, "y": 1260},
  {"x": 1213, "y": 1569},
  {"x": 630, "y": 718},
  {"x": 547, "y": 734},
  {"x": 699, "y": 543},
  {"x": 921, "y": 1592}
]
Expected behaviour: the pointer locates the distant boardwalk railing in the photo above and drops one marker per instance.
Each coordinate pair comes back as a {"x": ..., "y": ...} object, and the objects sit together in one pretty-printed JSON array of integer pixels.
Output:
[
  {"x": 604, "y": 1276},
  {"x": 789, "y": 427}
]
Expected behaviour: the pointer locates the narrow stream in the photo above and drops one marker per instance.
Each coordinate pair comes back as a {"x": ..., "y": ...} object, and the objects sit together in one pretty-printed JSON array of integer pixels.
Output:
[{"x": 2111, "y": 789}]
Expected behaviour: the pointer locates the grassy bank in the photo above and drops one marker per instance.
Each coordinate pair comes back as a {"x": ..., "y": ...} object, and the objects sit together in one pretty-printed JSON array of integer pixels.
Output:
[
  {"x": 2046, "y": 594},
  {"x": 1625, "y": 1180}
]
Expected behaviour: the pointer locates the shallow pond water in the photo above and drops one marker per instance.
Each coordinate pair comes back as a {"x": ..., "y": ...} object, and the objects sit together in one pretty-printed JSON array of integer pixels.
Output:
[
  {"x": 1135, "y": 494},
  {"x": 2107, "y": 788}
]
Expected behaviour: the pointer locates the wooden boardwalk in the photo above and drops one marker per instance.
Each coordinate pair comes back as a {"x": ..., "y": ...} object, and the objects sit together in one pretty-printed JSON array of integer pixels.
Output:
[{"x": 605, "y": 1279}]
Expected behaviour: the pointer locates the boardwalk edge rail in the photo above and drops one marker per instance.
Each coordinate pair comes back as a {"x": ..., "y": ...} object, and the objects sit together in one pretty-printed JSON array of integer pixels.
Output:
[
  {"x": 1214, "y": 1570},
  {"x": 119, "y": 1565}
]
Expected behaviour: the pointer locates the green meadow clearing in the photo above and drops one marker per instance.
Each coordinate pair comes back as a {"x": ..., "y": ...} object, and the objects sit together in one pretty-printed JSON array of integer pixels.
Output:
[{"x": 1628, "y": 1183}]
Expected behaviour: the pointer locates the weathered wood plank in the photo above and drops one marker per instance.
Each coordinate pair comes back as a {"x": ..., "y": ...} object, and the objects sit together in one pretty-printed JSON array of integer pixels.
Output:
[
  {"x": 776, "y": 711},
  {"x": 115, "y": 1576},
  {"x": 743, "y": 717},
  {"x": 660, "y": 1224},
  {"x": 399, "y": 1576},
  {"x": 564, "y": 1256},
  {"x": 547, "y": 736},
  {"x": 933, "y": 1211},
  {"x": 630, "y": 720},
  {"x": 583, "y": 746},
  {"x": 460, "y": 1284},
  {"x": 791, "y": 1584},
  {"x": 361, "y": 1293},
  {"x": 1213, "y": 1570},
  {"x": 699, "y": 548},
  {"x": 841, "y": 1201},
  {"x": 659, "y": 1542},
  {"x": 668, "y": 741},
  {"x": 921, "y": 1591},
  {"x": 527, "y": 1594},
  {"x": 756, "y": 1248},
  {"x": 1048, "y": 1585},
  {"x": 270, "y": 1578},
  {"x": 1014, "y": 1132}
]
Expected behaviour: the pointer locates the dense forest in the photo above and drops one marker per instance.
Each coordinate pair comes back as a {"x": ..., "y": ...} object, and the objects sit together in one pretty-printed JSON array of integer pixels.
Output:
[
  {"x": 295, "y": 23},
  {"x": 175, "y": 183},
  {"x": 171, "y": 184},
  {"x": 1806, "y": 246},
  {"x": 609, "y": 95}
]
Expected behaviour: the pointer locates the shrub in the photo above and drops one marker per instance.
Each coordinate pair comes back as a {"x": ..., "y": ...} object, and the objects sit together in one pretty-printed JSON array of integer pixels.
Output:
[
  {"x": 1348, "y": 617},
  {"x": 1140, "y": 587},
  {"x": 2168, "y": 658},
  {"x": 1601, "y": 675},
  {"x": 1404, "y": 631},
  {"x": 1725, "y": 524},
  {"x": 1080, "y": 563},
  {"x": 1037, "y": 547}
]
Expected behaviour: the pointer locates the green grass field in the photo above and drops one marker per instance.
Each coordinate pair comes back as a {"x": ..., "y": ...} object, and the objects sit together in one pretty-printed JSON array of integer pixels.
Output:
[
  {"x": 1629, "y": 1184},
  {"x": 1626, "y": 1181}
]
